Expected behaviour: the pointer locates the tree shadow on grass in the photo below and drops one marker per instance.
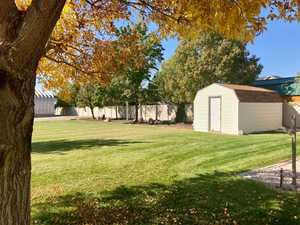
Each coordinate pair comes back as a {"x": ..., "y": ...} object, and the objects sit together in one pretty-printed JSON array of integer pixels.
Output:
[
  {"x": 60, "y": 146},
  {"x": 217, "y": 198}
]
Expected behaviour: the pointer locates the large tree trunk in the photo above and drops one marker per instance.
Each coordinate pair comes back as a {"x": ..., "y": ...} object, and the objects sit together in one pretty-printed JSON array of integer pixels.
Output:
[
  {"x": 16, "y": 121},
  {"x": 23, "y": 39}
]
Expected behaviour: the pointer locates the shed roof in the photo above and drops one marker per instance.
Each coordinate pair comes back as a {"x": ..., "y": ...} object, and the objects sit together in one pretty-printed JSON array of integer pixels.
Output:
[{"x": 247, "y": 93}]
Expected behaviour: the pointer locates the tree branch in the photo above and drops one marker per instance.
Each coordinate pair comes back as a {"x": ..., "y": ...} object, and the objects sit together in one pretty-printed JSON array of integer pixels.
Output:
[
  {"x": 236, "y": 2},
  {"x": 37, "y": 26},
  {"x": 53, "y": 43},
  {"x": 151, "y": 8},
  {"x": 69, "y": 64},
  {"x": 8, "y": 20}
]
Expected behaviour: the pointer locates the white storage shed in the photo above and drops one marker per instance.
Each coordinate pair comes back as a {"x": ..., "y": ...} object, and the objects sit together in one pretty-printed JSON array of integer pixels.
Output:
[
  {"x": 237, "y": 109},
  {"x": 44, "y": 103}
]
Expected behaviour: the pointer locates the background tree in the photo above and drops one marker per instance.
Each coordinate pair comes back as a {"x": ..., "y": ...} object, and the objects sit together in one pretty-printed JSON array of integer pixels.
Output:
[
  {"x": 121, "y": 91},
  {"x": 67, "y": 96},
  {"x": 130, "y": 84},
  {"x": 28, "y": 39},
  {"x": 150, "y": 93},
  {"x": 125, "y": 80},
  {"x": 86, "y": 97},
  {"x": 199, "y": 62},
  {"x": 110, "y": 95}
]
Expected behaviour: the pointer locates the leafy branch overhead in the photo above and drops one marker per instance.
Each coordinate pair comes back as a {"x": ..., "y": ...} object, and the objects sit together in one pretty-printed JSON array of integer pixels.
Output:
[
  {"x": 128, "y": 49},
  {"x": 134, "y": 55},
  {"x": 87, "y": 28}
]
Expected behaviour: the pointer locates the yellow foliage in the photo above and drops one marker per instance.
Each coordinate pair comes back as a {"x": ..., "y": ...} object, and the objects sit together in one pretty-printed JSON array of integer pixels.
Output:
[
  {"x": 85, "y": 27},
  {"x": 22, "y": 5}
]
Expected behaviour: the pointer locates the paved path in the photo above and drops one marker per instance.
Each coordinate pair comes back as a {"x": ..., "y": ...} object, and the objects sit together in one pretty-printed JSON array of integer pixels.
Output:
[
  {"x": 271, "y": 174},
  {"x": 55, "y": 118}
]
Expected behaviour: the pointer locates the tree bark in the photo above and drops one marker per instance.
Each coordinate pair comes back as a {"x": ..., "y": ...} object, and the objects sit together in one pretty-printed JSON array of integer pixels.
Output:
[
  {"x": 180, "y": 113},
  {"x": 92, "y": 110},
  {"x": 137, "y": 112},
  {"x": 16, "y": 122},
  {"x": 116, "y": 112},
  {"x": 23, "y": 38},
  {"x": 294, "y": 150}
]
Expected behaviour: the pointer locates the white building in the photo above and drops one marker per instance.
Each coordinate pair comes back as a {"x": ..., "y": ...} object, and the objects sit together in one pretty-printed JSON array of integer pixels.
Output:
[
  {"x": 44, "y": 103},
  {"x": 237, "y": 109}
]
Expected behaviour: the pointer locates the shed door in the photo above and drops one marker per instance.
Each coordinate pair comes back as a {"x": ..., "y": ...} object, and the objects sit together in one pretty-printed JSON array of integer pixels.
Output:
[{"x": 215, "y": 113}]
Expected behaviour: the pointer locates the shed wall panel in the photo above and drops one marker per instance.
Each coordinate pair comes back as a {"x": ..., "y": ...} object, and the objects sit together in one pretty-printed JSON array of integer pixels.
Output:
[
  {"x": 44, "y": 106},
  {"x": 257, "y": 117}
]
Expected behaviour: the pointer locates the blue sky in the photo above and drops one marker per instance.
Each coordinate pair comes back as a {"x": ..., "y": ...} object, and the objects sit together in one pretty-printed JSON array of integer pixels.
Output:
[{"x": 278, "y": 48}]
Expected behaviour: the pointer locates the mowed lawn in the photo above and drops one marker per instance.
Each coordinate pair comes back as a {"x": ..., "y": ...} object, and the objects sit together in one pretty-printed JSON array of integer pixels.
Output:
[{"x": 109, "y": 173}]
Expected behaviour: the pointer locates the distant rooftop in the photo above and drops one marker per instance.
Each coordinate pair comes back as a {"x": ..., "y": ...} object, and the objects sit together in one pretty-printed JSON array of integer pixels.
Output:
[
  {"x": 285, "y": 86},
  {"x": 39, "y": 93},
  {"x": 269, "y": 77},
  {"x": 282, "y": 80}
]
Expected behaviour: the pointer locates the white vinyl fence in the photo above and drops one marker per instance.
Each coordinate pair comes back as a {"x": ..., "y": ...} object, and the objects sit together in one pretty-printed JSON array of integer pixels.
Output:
[
  {"x": 290, "y": 109},
  {"x": 163, "y": 112}
]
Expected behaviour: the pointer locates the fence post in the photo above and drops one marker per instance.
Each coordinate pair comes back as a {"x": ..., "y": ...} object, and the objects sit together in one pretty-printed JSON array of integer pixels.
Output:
[
  {"x": 127, "y": 111},
  {"x": 281, "y": 177},
  {"x": 294, "y": 150}
]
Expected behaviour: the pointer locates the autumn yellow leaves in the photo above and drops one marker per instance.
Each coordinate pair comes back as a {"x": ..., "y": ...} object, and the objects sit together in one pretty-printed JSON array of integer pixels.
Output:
[{"x": 83, "y": 47}]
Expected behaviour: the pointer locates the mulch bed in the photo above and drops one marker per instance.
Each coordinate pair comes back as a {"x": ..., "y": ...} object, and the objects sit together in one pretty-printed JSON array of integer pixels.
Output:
[{"x": 187, "y": 126}]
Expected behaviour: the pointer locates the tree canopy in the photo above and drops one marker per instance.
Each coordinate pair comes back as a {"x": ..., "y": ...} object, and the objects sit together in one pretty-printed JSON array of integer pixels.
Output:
[
  {"x": 125, "y": 82},
  {"x": 86, "y": 28},
  {"x": 134, "y": 76},
  {"x": 202, "y": 61}
]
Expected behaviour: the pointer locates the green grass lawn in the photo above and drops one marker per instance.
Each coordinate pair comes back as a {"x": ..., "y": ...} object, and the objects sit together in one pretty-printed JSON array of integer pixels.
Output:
[{"x": 108, "y": 173}]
